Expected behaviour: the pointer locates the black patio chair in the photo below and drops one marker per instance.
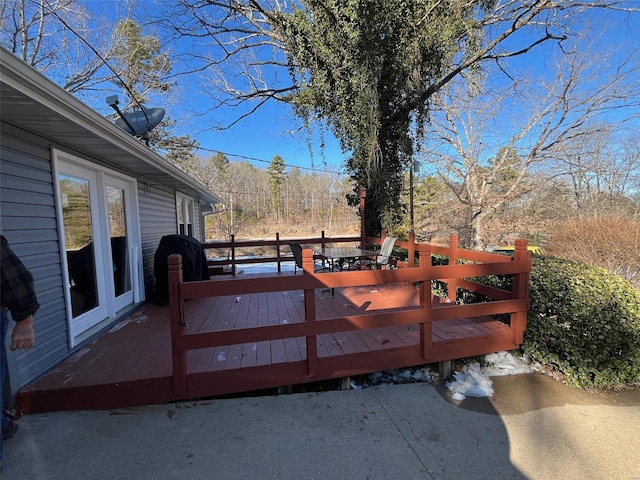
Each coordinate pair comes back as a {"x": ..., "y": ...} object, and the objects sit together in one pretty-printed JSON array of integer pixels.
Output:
[{"x": 296, "y": 249}]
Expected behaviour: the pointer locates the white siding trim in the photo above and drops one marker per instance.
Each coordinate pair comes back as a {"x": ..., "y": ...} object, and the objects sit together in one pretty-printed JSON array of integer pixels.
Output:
[{"x": 185, "y": 215}]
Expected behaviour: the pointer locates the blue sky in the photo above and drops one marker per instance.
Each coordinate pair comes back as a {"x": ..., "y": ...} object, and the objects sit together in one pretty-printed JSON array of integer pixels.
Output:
[
  {"x": 272, "y": 130},
  {"x": 268, "y": 132}
]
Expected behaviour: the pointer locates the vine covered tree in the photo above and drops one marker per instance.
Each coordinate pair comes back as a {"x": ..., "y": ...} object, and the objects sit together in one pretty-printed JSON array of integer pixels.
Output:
[{"x": 366, "y": 69}]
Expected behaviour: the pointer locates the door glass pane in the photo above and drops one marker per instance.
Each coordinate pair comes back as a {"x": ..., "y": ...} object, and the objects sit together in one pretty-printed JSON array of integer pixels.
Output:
[
  {"x": 181, "y": 219},
  {"x": 78, "y": 234},
  {"x": 118, "y": 236},
  {"x": 190, "y": 218}
]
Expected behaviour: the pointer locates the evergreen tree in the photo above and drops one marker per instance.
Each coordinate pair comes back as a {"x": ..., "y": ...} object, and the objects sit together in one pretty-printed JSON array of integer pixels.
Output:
[{"x": 276, "y": 174}]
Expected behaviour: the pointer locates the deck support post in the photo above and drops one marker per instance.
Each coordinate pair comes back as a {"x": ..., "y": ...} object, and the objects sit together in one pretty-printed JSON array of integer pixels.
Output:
[
  {"x": 520, "y": 289},
  {"x": 322, "y": 246},
  {"x": 285, "y": 390},
  {"x": 444, "y": 369},
  {"x": 452, "y": 283},
  {"x": 278, "y": 251},
  {"x": 233, "y": 254},
  {"x": 411, "y": 250},
  {"x": 345, "y": 383},
  {"x": 426, "y": 303},
  {"x": 176, "y": 319},
  {"x": 310, "y": 315}
]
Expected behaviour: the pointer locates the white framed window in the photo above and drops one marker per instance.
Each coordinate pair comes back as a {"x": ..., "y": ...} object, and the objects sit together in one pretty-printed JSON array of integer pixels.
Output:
[{"x": 185, "y": 214}]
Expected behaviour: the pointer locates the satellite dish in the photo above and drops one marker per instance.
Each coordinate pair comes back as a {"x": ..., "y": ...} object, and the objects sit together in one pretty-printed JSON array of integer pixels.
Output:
[{"x": 142, "y": 121}]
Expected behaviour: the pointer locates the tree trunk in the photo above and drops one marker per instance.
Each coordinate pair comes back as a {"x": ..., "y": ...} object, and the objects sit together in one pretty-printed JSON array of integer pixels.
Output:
[{"x": 476, "y": 227}]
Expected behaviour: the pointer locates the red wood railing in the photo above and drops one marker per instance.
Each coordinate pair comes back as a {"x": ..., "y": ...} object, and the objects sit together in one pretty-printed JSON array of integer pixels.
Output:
[
  {"x": 455, "y": 274},
  {"x": 283, "y": 254},
  {"x": 282, "y": 251}
]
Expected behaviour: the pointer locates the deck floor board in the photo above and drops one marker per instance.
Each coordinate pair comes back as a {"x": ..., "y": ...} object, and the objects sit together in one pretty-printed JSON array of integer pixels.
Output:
[{"x": 137, "y": 350}]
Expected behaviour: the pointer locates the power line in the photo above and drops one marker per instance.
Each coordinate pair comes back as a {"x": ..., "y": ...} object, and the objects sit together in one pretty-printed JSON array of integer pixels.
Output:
[
  {"x": 253, "y": 195},
  {"x": 237, "y": 155},
  {"x": 132, "y": 96},
  {"x": 254, "y": 159}
]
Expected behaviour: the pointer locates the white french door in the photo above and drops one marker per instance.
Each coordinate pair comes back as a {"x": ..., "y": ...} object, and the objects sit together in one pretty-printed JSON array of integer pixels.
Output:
[
  {"x": 119, "y": 220},
  {"x": 99, "y": 240}
]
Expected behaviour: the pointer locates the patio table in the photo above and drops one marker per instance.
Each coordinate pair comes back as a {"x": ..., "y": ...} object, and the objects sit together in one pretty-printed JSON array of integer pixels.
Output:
[{"x": 343, "y": 258}]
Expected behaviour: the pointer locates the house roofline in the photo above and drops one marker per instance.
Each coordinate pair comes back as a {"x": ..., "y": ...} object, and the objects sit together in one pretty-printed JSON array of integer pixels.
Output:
[{"x": 25, "y": 79}]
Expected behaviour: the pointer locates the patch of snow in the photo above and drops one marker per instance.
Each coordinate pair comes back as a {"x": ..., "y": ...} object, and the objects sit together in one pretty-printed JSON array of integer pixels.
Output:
[
  {"x": 118, "y": 326},
  {"x": 268, "y": 267},
  {"x": 504, "y": 363},
  {"x": 471, "y": 382},
  {"x": 475, "y": 381},
  {"x": 135, "y": 318}
]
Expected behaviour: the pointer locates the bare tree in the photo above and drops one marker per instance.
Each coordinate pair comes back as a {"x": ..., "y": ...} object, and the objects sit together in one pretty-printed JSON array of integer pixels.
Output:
[
  {"x": 234, "y": 182},
  {"x": 602, "y": 170},
  {"x": 33, "y": 31},
  {"x": 485, "y": 140},
  {"x": 60, "y": 39}
]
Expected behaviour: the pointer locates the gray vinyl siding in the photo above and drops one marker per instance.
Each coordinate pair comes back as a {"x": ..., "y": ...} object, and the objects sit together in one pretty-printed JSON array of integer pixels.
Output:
[
  {"x": 28, "y": 221},
  {"x": 157, "y": 219},
  {"x": 197, "y": 230}
]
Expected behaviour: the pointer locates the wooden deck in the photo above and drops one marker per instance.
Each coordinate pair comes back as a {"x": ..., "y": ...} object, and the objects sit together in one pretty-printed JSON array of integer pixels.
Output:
[
  {"x": 247, "y": 333},
  {"x": 131, "y": 364}
]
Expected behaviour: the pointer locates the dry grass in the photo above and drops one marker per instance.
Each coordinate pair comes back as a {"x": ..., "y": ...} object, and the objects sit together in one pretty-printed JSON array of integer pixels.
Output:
[
  {"x": 287, "y": 231},
  {"x": 612, "y": 243},
  {"x": 302, "y": 229}
]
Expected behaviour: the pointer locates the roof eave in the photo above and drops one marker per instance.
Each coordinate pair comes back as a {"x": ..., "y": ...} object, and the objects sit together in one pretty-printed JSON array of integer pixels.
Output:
[{"x": 23, "y": 78}]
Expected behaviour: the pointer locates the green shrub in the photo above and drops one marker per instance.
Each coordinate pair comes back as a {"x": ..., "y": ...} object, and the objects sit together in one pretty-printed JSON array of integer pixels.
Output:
[
  {"x": 438, "y": 287},
  {"x": 584, "y": 321}
]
